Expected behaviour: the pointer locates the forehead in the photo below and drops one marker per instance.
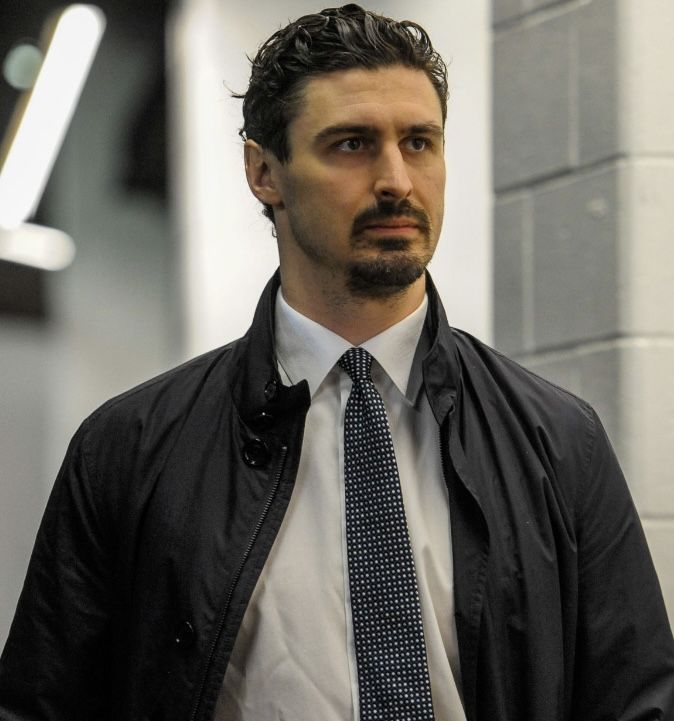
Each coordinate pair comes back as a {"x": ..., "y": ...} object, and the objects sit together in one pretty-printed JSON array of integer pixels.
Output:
[{"x": 382, "y": 96}]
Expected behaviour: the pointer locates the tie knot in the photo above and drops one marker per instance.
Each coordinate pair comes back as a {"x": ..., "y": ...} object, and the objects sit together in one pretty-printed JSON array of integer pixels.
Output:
[{"x": 357, "y": 363}]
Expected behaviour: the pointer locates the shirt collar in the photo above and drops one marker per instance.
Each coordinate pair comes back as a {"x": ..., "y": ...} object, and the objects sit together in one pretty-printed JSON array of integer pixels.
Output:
[
  {"x": 307, "y": 350},
  {"x": 394, "y": 349}
]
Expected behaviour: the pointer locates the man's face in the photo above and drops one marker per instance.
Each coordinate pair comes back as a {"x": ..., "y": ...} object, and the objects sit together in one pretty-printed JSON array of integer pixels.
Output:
[{"x": 362, "y": 196}]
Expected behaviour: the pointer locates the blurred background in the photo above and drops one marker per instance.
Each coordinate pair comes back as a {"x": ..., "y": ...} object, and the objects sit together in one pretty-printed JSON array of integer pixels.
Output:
[{"x": 145, "y": 247}]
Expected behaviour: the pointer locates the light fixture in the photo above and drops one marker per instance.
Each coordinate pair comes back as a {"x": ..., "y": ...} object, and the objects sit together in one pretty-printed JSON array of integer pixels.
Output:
[
  {"x": 22, "y": 65},
  {"x": 37, "y": 246},
  {"x": 40, "y": 122}
]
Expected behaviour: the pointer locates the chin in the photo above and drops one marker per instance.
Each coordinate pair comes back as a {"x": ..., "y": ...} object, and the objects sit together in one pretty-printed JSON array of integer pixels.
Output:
[{"x": 384, "y": 277}]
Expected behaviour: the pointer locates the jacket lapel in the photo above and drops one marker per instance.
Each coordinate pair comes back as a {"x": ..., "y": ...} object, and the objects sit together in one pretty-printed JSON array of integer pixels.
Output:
[{"x": 470, "y": 532}]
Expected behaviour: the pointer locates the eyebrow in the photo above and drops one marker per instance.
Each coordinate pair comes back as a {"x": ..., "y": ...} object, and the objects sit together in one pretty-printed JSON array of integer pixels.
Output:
[{"x": 370, "y": 130}]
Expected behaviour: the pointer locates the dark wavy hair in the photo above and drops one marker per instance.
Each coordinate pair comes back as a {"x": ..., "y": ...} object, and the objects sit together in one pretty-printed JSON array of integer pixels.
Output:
[{"x": 334, "y": 39}]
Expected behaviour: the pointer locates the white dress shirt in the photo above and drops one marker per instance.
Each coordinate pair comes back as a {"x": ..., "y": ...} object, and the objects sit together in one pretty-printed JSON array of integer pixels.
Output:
[{"x": 294, "y": 656}]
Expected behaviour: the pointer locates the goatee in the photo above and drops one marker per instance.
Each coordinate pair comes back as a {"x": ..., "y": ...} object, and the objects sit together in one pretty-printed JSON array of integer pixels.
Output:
[
  {"x": 384, "y": 277},
  {"x": 395, "y": 269}
]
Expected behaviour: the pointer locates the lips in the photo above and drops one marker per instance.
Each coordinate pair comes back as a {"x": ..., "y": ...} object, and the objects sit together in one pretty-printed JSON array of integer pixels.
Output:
[{"x": 392, "y": 225}]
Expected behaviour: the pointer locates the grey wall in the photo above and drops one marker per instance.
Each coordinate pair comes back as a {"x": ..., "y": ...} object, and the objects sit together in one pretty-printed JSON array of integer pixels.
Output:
[
  {"x": 113, "y": 316},
  {"x": 584, "y": 224},
  {"x": 24, "y": 372}
]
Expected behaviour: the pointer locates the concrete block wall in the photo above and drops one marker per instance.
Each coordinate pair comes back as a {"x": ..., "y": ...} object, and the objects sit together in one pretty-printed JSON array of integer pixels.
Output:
[{"x": 584, "y": 224}]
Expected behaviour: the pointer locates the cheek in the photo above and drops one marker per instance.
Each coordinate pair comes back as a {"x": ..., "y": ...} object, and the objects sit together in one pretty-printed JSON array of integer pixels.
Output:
[
  {"x": 314, "y": 207},
  {"x": 438, "y": 178},
  {"x": 324, "y": 200},
  {"x": 431, "y": 194},
  {"x": 436, "y": 189},
  {"x": 335, "y": 197}
]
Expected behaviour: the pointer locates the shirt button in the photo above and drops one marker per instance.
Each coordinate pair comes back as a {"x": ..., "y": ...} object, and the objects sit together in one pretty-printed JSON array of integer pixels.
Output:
[
  {"x": 255, "y": 452},
  {"x": 184, "y": 635}
]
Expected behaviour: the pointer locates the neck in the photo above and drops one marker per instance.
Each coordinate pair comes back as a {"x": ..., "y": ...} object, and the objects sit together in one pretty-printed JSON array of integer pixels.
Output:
[{"x": 354, "y": 318}]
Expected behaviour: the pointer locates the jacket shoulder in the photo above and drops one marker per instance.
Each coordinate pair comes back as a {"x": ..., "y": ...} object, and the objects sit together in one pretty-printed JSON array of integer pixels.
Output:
[
  {"x": 170, "y": 393},
  {"x": 528, "y": 410},
  {"x": 503, "y": 374},
  {"x": 131, "y": 435}
]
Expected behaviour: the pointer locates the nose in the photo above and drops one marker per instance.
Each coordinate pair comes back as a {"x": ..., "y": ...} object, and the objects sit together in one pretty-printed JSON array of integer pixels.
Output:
[{"x": 392, "y": 180}]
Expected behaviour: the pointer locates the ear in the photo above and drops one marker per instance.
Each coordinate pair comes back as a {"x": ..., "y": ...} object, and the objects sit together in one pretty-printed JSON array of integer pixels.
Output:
[{"x": 260, "y": 173}]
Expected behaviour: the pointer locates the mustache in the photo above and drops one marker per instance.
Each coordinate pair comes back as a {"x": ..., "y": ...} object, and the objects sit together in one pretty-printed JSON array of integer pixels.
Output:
[{"x": 385, "y": 210}]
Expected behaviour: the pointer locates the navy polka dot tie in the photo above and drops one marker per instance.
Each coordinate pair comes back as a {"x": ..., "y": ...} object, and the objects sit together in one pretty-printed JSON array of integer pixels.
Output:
[{"x": 388, "y": 631}]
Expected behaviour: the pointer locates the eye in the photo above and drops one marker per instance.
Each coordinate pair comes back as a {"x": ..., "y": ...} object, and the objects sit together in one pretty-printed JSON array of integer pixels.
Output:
[
  {"x": 351, "y": 145},
  {"x": 418, "y": 143}
]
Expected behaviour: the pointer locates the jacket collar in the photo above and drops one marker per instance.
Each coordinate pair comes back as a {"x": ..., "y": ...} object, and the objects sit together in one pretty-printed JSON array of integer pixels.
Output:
[
  {"x": 262, "y": 400},
  {"x": 441, "y": 367},
  {"x": 259, "y": 394}
]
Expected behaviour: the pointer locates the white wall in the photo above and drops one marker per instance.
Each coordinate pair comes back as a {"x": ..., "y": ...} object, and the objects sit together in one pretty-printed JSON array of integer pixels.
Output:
[{"x": 228, "y": 250}]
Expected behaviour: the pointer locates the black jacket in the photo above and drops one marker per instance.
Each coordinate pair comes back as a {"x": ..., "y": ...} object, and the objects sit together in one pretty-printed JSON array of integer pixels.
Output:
[{"x": 171, "y": 495}]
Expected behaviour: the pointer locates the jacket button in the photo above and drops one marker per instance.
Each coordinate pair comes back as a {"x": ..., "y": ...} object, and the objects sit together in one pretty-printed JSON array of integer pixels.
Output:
[
  {"x": 184, "y": 635},
  {"x": 255, "y": 452},
  {"x": 264, "y": 420},
  {"x": 270, "y": 390}
]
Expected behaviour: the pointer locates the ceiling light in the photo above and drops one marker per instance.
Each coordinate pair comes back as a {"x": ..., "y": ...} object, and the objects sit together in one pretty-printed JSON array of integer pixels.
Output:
[
  {"x": 37, "y": 246},
  {"x": 40, "y": 122}
]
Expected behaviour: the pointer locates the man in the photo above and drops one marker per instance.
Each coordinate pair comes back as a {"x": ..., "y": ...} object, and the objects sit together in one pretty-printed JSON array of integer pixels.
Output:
[{"x": 293, "y": 528}]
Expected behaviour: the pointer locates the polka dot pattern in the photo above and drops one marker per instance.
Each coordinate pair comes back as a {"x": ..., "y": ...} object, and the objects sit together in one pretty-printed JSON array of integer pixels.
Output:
[{"x": 389, "y": 637}]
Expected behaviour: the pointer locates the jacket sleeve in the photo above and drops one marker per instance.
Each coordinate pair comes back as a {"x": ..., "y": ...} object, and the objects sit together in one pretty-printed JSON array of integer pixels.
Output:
[
  {"x": 625, "y": 652},
  {"x": 55, "y": 662}
]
